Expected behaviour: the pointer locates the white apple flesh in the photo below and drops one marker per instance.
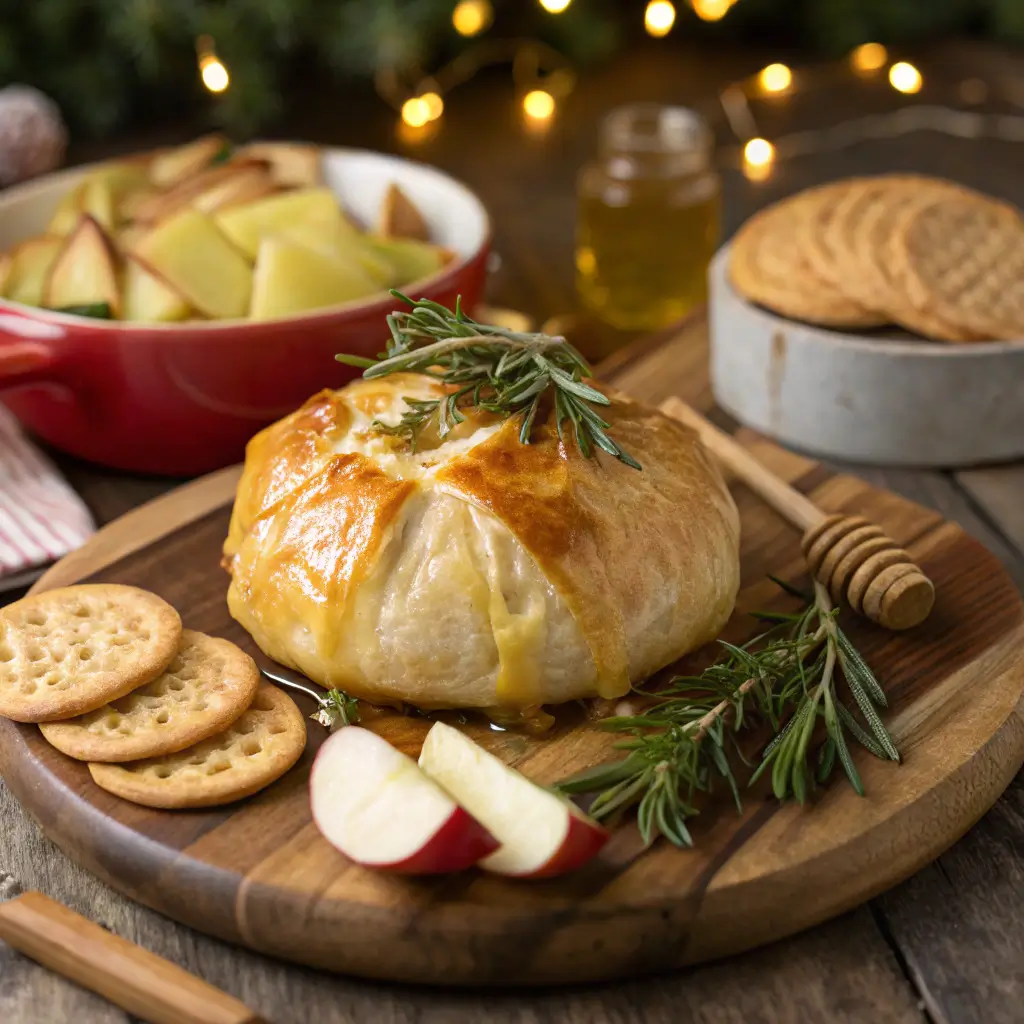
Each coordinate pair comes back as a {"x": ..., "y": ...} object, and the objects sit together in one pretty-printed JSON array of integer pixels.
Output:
[
  {"x": 541, "y": 834},
  {"x": 378, "y": 808}
]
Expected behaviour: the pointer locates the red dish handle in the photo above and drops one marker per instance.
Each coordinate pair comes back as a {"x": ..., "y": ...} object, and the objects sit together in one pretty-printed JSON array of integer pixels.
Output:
[
  {"x": 25, "y": 358},
  {"x": 24, "y": 362}
]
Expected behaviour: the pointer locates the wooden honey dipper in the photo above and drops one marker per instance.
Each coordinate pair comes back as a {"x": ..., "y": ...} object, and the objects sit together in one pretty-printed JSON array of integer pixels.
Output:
[{"x": 850, "y": 556}]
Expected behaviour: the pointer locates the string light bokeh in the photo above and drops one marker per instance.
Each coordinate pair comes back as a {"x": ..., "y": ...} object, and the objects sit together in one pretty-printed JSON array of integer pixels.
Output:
[
  {"x": 869, "y": 57},
  {"x": 775, "y": 78},
  {"x": 905, "y": 77},
  {"x": 212, "y": 72},
  {"x": 539, "y": 105},
  {"x": 471, "y": 17},
  {"x": 543, "y": 78},
  {"x": 659, "y": 17},
  {"x": 712, "y": 10}
]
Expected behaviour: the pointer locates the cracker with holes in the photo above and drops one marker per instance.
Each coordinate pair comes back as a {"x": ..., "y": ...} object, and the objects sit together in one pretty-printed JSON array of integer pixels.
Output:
[
  {"x": 207, "y": 685},
  {"x": 68, "y": 651},
  {"x": 251, "y": 753}
]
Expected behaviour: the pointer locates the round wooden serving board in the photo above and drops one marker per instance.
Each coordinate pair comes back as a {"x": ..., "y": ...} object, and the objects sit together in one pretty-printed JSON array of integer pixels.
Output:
[{"x": 258, "y": 873}]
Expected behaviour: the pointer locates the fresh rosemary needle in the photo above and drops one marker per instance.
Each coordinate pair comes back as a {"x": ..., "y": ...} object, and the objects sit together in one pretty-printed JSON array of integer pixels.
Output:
[
  {"x": 502, "y": 371},
  {"x": 336, "y": 709},
  {"x": 786, "y": 678}
]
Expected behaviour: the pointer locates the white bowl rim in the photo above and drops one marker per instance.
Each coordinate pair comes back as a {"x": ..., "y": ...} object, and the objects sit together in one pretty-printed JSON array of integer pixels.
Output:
[
  {"x": 382, "y": 300},
  {"x": 924, "y": 348}
]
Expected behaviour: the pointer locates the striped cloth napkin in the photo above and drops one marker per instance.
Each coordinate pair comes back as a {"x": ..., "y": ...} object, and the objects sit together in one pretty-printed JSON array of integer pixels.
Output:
[{"x": 41, "y": 517}]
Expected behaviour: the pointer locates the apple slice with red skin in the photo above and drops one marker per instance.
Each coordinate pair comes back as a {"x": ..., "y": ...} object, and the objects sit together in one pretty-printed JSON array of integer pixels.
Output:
[
  {"x": 541, "y": 834},
  {"x": 374, "y": 804}
]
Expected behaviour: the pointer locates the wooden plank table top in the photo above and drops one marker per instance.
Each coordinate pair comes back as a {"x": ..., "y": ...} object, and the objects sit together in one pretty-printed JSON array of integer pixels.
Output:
[{"x": 945, "y": 946}]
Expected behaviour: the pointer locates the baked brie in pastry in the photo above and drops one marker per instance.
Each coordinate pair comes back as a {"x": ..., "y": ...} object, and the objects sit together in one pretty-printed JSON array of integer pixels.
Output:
[{"x": 477, "y": 571}]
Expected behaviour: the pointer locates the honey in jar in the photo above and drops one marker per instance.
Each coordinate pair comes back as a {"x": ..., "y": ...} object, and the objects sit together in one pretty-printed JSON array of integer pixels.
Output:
[{"x": 648, "y": 217}]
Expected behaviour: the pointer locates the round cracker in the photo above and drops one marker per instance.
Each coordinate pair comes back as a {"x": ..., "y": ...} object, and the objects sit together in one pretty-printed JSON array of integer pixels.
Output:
[
  {"x": 962, "y": 257},
  {"x": 258, "y": 748},
  {"x": 768, "y": 264},
  {"x": 883, "y": 219},
  {"x": 853, "y": 248},
  {"x": 207, "y": 685},
  {"x": 68, "y": 651}
]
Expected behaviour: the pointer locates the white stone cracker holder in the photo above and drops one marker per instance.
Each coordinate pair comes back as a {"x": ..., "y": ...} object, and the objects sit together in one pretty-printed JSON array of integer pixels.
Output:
[{"x": 874, "y": 399}]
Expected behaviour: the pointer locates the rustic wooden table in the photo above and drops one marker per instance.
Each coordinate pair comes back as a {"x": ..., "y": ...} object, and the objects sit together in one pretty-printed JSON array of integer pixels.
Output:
[{"x": 946, "y": 946}]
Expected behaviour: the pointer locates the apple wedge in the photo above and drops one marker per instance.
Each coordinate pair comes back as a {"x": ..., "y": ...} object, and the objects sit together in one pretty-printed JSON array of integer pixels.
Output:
[
  {"x": 6, "y": 267},
  {"x": 243, "y": 186},
  {"x": 541, "y": 834},
  {"x": 98, "y": 202},
  {"x": 197, "y": 261},
  {"x": 145, "y": 297},
  {"x": 127, "y": 237},
  {"x": 338, "y": 237},
  {"x": 247, "y": 225},
  {"x": 66, "y": 215},
  {"x": 400, "y": 218},
  {"x": 332, "y": 235},
  {"x": 122, "y": 176},
  {"x": 290, "y": 278},
  {"x": 129, "y": 205},
  {"x": 373, "y": 804},
  {"x": 159, "y": 206},
  {"x": 32, "y": 262},
  {"x": 292, "y": 164},
  {"x": 174, "y": 165},
  {"x": 409, "y": 259},
  {"x": 83, "y": 274}
]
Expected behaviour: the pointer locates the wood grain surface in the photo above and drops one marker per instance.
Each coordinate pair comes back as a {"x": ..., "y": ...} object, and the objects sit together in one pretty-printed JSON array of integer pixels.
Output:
[
  {"x": 129, "y": 976},
  {"x": 258, "y": 873}
]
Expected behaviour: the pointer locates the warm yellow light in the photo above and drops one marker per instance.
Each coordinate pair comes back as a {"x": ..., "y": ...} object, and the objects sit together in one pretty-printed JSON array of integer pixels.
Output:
[
  {"x": 416, "y": 112},
  {"x": 538, "y": 104},
  {"x": 435, "y": 105},
  {"x": 905, "y": 77},
  {"x": 555, "y": 6},
  {"x": 869, "y": 57},
  {"x": 753, "y": 172},
  {"x": 758, "y": 159},
  {"x": 659, "y": 18},
  {"x": 471, "y": 17},
  {"x": 214, "y": 75},
  {"x": 775, "y": 78},
  {"x": 711, "y": 10},
  {"x": 758, "y": 153}
]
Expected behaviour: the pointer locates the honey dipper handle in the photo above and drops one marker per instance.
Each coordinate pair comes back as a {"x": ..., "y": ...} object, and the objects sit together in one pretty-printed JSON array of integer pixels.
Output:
[
  {"x": 789, "y": 503},
  {"x": 129, "y": 976}
]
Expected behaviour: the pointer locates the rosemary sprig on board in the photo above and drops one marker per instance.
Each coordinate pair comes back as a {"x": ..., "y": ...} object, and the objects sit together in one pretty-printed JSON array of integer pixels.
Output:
[
  {"x": 786, "y": 678},
  {"x": 336, "y": 708},
  {"x": 505, "y": 372}
]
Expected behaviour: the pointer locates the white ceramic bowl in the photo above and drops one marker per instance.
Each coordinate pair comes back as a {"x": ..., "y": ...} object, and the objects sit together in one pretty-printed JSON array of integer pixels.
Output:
[{"x": 864, "y": 398}]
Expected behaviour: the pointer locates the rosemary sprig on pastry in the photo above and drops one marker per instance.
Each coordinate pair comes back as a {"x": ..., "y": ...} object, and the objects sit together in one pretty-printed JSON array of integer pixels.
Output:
[
  {"x": 492, "y": 368},
  {"x": 787, "y": 679}
]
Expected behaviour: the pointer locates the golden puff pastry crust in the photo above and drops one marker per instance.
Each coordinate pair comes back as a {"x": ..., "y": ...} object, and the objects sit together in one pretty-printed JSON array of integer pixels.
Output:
[{"x": 478, "y": 571}]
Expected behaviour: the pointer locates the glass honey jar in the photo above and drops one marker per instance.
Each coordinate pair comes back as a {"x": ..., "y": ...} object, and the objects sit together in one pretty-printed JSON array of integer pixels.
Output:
[{"x": 648, "y": 217}]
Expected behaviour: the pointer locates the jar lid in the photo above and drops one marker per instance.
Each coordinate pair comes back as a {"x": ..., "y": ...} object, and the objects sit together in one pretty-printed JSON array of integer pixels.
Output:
[{"x": 655, "y": 128}]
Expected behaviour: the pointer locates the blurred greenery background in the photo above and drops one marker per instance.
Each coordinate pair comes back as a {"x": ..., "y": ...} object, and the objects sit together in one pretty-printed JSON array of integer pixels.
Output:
[{"x": 112, "y": 63}]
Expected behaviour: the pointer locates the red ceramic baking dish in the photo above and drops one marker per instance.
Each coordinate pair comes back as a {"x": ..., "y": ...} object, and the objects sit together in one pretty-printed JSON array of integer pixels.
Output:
[{"x": 182, "y": 399}]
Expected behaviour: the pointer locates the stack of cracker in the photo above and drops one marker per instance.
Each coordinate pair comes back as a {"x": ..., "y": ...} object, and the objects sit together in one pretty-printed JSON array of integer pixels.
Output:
[
  {"x": 928, "y": 255},
  {"x": 165, "y": 717}
]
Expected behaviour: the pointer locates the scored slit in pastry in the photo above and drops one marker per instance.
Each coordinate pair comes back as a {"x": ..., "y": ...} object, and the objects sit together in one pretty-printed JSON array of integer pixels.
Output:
[{"x": 477, "y": 571}]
